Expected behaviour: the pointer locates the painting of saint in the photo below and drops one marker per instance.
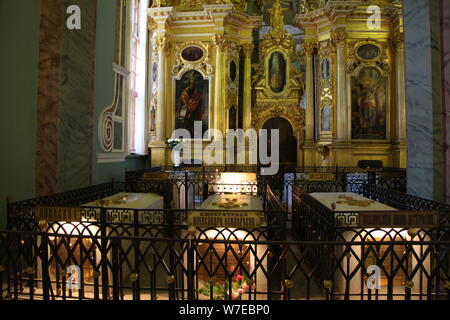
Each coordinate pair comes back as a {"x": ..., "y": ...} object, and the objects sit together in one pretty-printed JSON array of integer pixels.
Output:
[
  {"x": 192, "y": 96},
  {"x": 233, "y": 70},
  {"x": 369, "y": 102},
  {"x": 192, "y": 53},
  {"x": 232, "y": 115},
  {"x": 277, "y": 72},
  {"x": 152, "y": 119},
  {"x": 325, "y": 69},
  {"x": 368, "y": 51},
  {"x": 325, "y": 118}
]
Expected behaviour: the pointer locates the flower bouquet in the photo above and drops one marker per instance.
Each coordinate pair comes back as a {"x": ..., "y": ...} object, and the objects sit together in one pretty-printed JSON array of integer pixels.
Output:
[
  {"x": 172, "y": 143},
  {"x": 221, "y": 291}
]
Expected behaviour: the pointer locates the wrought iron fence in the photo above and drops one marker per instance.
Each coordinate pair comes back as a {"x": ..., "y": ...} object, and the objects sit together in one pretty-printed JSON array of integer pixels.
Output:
[{"x": 121, "y": 268}]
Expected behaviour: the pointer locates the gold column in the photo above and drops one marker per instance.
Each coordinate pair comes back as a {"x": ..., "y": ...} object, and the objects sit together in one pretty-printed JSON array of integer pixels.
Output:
[
  {"x": 161, "y": 94},
  {"x": 248, "y": 50},
  {"x": 309, "y": 119},
  {"x": 219, "y": 86},
  {"x": 342, "y": 130}
]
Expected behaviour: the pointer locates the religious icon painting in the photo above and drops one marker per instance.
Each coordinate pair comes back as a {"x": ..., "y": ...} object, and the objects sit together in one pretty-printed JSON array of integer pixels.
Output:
[
  {"x": 368, "y": 51},
  {"x": 232, "y": 118},
  {"x": 325, "y": 116},
  {"x": 192, "y": 53},
  {"x": 233, "y": 70},
  {"x": 191, "y": 101},
  {"x": 369, "y": 104},
  {"x": 325, "y": 69},
  {"x": 155, "y": 71},
  {"x": 277, "y": 72}
]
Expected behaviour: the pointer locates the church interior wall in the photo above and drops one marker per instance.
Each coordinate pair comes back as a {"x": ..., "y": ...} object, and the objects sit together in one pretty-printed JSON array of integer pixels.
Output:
[{"x": 19, "y": 38}]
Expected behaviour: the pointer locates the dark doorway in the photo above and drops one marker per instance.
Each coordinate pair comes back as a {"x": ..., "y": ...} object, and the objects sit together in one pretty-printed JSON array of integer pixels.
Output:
[{"x": 288, "y": 142}]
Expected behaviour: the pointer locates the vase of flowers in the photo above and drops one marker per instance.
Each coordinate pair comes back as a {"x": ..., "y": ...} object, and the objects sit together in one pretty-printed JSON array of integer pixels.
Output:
[
  {"x": 221, "y": 291},
  {"x": 176, "y": 157}
]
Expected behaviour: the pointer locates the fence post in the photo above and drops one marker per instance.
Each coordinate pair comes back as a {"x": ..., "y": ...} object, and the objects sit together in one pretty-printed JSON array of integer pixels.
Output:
[
  {"x": 43, "y": 250},
  {"x": 115, "y": 268},
  {"x": 190, "y": 269},
  {"x": 104, "y": 255}
]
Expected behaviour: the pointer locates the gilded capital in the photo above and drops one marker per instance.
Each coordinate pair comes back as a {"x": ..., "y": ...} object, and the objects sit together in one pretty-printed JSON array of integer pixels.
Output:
[
  {"x": 162, "y": 45},
  {"x": 162, "y": 3},
  {"x": 220, "y": 42},
  {"x": 339, "y": 38},
  {"x": 309, "y": 47},
  {"x": 248, "y": 48}
]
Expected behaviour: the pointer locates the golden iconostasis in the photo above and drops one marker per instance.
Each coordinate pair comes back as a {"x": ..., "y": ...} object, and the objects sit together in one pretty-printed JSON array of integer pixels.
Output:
[{"x": 335, "y": 89}]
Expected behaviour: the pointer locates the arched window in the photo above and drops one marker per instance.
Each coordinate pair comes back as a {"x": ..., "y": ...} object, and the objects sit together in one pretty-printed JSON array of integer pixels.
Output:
[{"x": 123, "y": 124}]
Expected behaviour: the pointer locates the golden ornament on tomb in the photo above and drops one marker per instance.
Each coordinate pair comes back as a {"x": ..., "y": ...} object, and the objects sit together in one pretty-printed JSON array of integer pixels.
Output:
[
  {"x": 353, "y": 202},
  {"x": 328, "y": 284}
]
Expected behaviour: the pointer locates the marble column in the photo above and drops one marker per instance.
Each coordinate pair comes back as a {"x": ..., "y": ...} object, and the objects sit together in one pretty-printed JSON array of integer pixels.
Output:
[
  {"x": 49, "y": 95},
  {"x": 446, "y": 83},
  {"x": 400, "y": 102},
  {"x": 248, "y": 50},
  {"x": 158, "y": 146},
  {"x": 426, "y": 165}
]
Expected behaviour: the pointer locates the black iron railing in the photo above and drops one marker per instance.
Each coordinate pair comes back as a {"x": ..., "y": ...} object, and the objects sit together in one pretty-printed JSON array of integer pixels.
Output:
[{"x": 120, "y": 268}]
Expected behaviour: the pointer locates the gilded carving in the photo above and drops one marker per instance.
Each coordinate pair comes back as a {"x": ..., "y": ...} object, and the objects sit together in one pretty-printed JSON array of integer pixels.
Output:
[
  {"x": 398, "y": 40},
  {"x": 203, "y": 64},
  {"x": 162, "y": 45},
  {"x": 354, "y": 61},
  {"x": 309, "y": 47},
  {"x": 293, "y": 113},
  {"x": 339, "y": 38},
  {"x": 277, "y": 19},
  {"x": 248, "y": 48},
  {"x": 220, "y": 42}
]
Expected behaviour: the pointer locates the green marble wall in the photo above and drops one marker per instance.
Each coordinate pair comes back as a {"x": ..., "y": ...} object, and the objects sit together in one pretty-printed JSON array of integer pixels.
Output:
[{"x": 19, "y": 39}]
